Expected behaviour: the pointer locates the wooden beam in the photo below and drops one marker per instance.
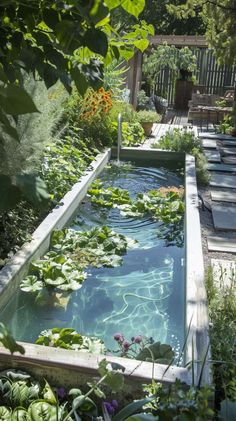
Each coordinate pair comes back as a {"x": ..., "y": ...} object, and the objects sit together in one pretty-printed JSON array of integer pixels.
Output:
[{"x": 180, "y": 40}]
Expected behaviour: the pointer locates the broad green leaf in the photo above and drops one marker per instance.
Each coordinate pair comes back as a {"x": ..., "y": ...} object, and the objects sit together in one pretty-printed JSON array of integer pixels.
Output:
[
  {"x": 15, "y": 100},
  {"x": 7, "y": 340},
  {"x": 142, "y": 417},
  {"x": 20, "y": 414},
  {"x": 98, "y": 12},
  {"x": 7, "y": 127},
  {"x": 10, "y": 195},
  {"x": 31, "y": 284},
  {"x": 131, "y": 409},
  {"x": 5, "y": 413},
  {"x": 33, "y": 188},
  {"x": 48, "y": 394},
  {"x": 112, "y": 4},
  {"x": 3, "y": 77},
  {"x": 40, "y": 410},
  {"x": 115, "y": 381},
  {"x": 134, "y": 7},
  {"x": 96, "y": 41},
  {"x": 80, "y": 80},
  {"x": 141, "y": 44},
  {"x": 127, "y": 53}
]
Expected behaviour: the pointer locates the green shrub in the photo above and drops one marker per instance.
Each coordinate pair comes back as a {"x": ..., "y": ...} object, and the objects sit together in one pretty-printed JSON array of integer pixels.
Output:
[
  {"x": 178, "y": 140},
  {"x": 145, "y": 116},
  {"x": 132, "y": 133},
  {"x": 143, "y": 100},
  {"x": 126, "y": 110}
]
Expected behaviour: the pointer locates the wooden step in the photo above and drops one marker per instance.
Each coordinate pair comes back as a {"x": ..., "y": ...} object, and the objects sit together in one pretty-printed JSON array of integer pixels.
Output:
[{"x": 227, "y": 245}]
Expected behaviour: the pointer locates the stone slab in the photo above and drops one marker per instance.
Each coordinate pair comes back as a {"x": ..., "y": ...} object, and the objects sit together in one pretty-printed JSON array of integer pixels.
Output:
[
  {"x": 223, "y": 196},
  {"x": 224, "y": 217},
  {"x": 216, "y": 243},
  {"x": 209, "y": 143},
  {"x": 229, "y": 142},
  {"x": 220, "y": 180},
  {"x": 228, "y": 159},
  {"x": 221, "y": 167},
  {"x": 212, "y": 155},
  {"x": 218, "y": 136},
  {"x": 228, "y": 151},
  {"x": 224, "y": 273}
]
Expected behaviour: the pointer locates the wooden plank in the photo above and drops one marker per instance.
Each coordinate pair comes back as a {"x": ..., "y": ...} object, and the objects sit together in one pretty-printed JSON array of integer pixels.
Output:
[
  {"x": 179, "y": 40},
  {"x": 216, "y": 243},
  {"x": 223, "y": 196},
  {"x": 224, "y": 217},
  {"x": 221, "y": 167},
  {"x": 229, "y": 159},
  {"x": 220, "y": 180}
]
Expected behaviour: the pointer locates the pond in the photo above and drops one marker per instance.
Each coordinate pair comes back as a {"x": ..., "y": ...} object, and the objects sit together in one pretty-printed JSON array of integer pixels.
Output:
[{"x": 143, "y": 296}]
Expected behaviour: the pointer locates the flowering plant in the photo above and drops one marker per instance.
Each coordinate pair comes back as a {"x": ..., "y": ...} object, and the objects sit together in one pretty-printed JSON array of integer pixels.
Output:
[{"x": 95, "y": 104}]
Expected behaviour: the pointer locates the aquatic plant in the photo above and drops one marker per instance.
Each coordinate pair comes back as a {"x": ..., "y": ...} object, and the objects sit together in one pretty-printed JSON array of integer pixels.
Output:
[
  {"x": 68, "y": 338},
  {"x": 98, "y": 247},
  {"x": 108, "y": 197}
]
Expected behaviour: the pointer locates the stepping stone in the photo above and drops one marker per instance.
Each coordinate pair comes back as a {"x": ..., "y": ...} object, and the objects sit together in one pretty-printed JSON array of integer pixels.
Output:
[
  {"x": 220, "y": 180},
  {"x": 212, "y": 156},
  {"x": 223, "y": 196},
  {"x": 209, "y": 143},
  {"x": 221, "y": 167},
  {"x": 224, "y": 272},
  {"x": 228, "y": 151},
  {"x": 229, "y": 159},
  {"x": 229, "y": 142},
  {"x": 224, "y": 217},
  {"x": 227, "y": 245},
  {"x": 218, "y": 136}
]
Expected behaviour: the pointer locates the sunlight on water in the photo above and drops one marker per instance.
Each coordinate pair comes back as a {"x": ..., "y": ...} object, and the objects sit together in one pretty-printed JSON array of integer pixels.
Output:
[{"x": 145, "y": 296}]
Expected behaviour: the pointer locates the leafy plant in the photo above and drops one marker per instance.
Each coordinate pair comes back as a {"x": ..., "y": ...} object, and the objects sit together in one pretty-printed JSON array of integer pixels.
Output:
[
  {"x": 114, "y": 78},
  {"x": 7, "y": 340},
  {"x": 97, "y": 247},
  {"x": 184, "y": 141},
  {"x": 225, "y": 126},
  {"x": 68, "y": 338},
  {"x": 132, "y": 133},
  {"x": 143, "y": 100},
  {"x": 108, "y": 197},
  {"x": 144, "y": 349},
  {"x": 145, "y": 116}
]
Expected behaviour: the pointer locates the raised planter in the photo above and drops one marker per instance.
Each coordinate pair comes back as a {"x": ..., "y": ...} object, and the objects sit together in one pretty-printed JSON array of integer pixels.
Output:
[{"x": 74, "y": 368}]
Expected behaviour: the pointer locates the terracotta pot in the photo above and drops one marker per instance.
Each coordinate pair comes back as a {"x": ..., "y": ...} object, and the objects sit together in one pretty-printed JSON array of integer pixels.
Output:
[{"x": 147, "y": 127}]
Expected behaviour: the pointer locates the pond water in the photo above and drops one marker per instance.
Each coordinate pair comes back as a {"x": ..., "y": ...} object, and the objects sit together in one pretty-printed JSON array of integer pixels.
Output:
[{"x": 144, "y": 296}]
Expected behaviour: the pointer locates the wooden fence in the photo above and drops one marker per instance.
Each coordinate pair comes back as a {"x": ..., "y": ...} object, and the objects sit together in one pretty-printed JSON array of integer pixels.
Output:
[{"x": 214, "y": 78}]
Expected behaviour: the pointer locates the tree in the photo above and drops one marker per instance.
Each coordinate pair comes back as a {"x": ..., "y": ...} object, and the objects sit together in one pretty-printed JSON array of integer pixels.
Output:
[
  {"x": 164, "y": 22},
  {"x": 68, "y": 40},
  {"x": 219, "y": 17}
]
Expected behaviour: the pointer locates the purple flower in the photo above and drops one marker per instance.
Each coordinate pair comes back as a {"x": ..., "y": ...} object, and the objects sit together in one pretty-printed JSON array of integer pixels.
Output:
[
  {"x": 126, "y": 345},
  {"x": 119, "y": 337},
  {"x": 61, "y": 392},
  {"x": 138, "y": 339},
  {"x": 114, "y": 404},
  {"x": 109, "y": 407}
]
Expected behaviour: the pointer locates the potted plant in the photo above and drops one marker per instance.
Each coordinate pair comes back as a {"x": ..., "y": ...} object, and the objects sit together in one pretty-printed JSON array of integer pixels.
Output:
[{"x": 147, "y": 119}]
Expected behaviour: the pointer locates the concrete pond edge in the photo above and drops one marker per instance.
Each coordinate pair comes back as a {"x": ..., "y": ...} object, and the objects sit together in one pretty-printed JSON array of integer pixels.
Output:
[{"x": 74, "y": 367}]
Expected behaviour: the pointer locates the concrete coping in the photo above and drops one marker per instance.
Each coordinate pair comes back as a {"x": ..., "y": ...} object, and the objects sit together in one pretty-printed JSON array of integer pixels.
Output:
[{"x": 55, "y": 363}]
